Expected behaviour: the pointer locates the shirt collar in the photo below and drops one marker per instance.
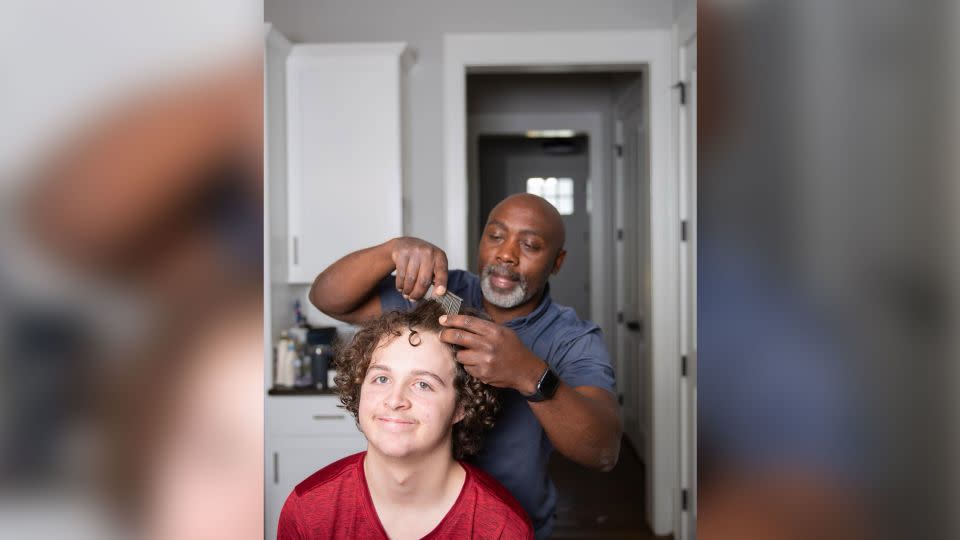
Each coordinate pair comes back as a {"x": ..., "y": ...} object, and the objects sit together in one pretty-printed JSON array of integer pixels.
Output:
[{"x": 534, "y": 315}]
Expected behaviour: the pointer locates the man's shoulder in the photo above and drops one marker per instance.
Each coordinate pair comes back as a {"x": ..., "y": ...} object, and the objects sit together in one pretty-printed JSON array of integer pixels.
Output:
[
  {"x": 577, "y": 351},
  {"x": 334, "y": 473},
  {"x": 571, "y": 326},
  {"x": 461, "y": 280}
]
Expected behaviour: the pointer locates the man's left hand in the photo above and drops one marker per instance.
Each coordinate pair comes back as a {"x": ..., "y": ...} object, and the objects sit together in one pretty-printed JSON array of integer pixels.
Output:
[{"x": 493, "y": 353}]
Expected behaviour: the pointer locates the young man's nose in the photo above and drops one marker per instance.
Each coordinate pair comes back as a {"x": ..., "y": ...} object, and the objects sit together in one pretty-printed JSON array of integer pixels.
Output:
[{"x": 397, "y": 398}]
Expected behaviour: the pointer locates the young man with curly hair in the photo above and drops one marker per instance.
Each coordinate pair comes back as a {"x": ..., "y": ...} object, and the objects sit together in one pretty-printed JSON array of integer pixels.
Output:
[{"x": 421, "y": 413}]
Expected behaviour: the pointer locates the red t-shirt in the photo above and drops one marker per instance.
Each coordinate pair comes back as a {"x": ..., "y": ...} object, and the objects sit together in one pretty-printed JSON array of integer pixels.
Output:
[{"x": 334, "y": 502}]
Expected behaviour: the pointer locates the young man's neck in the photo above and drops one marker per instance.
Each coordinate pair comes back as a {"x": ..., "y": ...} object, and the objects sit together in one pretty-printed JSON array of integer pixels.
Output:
[{"x": 418, "y": 481}]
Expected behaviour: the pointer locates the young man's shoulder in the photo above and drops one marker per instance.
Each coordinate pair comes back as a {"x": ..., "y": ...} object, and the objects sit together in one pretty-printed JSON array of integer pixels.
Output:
[
  {"x": 313, "y": 506},
  {"x": 333, "y": 473},
  {"x": 494, "y": 500}
]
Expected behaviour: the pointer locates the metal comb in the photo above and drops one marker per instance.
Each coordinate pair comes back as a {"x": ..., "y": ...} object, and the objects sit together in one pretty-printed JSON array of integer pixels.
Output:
[{"x": 451, "y": 303}]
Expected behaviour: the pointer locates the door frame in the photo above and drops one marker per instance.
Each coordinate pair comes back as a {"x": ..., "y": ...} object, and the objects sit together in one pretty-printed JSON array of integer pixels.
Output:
[
  {"x": 685, "y": 31},
  {"x": 632, "y": 302},
  {"x": 592, "y": 51}
]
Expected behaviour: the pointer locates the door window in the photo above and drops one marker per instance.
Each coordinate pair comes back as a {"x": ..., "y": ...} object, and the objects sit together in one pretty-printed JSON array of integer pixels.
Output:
[{"x": 557, "y": 191}]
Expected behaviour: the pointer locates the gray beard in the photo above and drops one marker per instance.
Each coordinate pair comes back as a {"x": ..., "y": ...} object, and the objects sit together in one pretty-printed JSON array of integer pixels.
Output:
[{"x": 508, "y": 300}]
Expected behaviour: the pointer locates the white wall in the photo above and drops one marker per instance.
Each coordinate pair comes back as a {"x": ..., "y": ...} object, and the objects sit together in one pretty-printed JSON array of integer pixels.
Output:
[
  {"x": 422, "y": 24},
  {"x": 681, "y": 7},
  {"x": 542, "y": 93}
]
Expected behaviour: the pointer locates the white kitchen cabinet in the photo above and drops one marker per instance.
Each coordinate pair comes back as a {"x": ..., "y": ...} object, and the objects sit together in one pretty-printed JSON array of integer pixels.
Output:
[
  {"x": 304, "y": 434},
  {"x": 344, "y": 150}
]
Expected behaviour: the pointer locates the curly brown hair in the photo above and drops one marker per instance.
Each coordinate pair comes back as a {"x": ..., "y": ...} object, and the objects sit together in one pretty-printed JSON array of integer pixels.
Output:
[{"x": 478, "y": 400}]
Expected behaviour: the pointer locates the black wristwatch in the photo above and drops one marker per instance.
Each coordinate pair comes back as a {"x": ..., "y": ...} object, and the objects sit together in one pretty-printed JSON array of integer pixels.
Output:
[{"x": 546, "y": 386}]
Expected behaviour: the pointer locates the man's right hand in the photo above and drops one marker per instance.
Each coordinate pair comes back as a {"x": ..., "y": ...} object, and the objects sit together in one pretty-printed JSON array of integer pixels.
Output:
[{"x": 419, "y": 264}]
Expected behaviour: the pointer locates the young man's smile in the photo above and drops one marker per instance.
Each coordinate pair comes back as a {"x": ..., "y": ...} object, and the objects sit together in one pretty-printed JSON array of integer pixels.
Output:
[{"x": 396, "y": 424}]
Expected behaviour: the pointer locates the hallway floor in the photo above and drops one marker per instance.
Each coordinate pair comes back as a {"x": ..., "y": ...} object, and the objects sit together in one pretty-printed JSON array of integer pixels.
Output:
[{"x": 601, "y": 506}]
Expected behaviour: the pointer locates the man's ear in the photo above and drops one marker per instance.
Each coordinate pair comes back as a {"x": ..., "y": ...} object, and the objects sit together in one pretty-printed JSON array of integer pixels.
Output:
[
  {"x": 459, "y": 415},
  {"x": 561, "y": 256}
]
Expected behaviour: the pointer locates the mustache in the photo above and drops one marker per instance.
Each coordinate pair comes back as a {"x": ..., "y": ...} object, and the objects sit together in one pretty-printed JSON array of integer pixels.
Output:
[{"x": 501, "y": 270}]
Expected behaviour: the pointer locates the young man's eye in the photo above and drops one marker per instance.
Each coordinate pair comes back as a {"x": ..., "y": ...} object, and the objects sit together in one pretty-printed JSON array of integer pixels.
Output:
[
  {"x": 421, "y": 385},
  {"x": 380, "y": 379}
]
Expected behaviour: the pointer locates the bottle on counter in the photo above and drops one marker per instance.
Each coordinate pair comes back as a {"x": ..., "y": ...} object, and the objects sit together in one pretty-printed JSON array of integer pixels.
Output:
[
  {"x": 302, "y": 378},
  {"x": 285, "y": 373},
  {"x": 279, "y": 350},
  {"x": 320, "y": 363},
  {"x": 301, "y": 321}
]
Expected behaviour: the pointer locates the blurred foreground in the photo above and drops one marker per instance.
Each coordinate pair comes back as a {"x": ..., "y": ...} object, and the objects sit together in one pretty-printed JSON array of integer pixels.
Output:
[
  {"x": 827, "y": 208},
  {"x": 131, "y": 273}
]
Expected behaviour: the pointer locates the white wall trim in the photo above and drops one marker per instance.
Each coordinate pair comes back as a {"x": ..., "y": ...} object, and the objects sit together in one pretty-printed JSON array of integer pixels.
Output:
[
  {"x": 307, "y": 51},
  {"x": 685, "y": 25},
  {"x": 277, "y": 47},
  {"x": 684, "y": 30},
  {"x": 577, "y": 50}
]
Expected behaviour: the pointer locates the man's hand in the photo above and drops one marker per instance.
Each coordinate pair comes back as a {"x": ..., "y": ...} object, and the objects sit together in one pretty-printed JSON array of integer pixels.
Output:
[
  {"x": 581, "y": 421},
  {"x": 419, "y": 264},
  {"x": 493, "y": 353}
]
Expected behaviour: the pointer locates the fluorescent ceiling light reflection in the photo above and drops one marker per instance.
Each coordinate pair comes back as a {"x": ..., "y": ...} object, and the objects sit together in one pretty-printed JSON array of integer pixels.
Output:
[{"x": 550, "y": 133}]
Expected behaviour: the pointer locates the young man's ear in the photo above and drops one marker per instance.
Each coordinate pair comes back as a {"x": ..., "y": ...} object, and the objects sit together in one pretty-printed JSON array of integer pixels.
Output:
[
  {"x": 458, "y": 416},
  {"x": 561, "y": 255}
]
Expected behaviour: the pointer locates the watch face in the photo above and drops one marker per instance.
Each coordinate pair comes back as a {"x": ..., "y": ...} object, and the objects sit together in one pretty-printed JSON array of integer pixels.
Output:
[
  {"x": 546, "y": 387},
  {"x": 549, "y": 384}
]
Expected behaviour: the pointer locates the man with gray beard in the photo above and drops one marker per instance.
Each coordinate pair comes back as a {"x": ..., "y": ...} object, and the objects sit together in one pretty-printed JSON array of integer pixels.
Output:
[{"x": 553, "y": 369}]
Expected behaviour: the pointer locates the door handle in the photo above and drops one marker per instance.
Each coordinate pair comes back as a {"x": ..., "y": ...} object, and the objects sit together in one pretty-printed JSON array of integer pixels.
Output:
[{"x": 633, "y": 325}]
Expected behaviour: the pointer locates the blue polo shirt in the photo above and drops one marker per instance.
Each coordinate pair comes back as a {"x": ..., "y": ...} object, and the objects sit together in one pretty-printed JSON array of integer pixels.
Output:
[{"x": 516, "y": 451}]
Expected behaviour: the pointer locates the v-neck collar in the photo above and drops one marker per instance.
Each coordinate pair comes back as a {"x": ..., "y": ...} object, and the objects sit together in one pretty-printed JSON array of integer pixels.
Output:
[{"x": 372, "y": 510}]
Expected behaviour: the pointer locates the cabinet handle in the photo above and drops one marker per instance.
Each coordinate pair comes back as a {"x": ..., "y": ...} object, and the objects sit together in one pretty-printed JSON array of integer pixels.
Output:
[
  {"x": 296, "y": 251},
  {"x": 327, "y": 416},
  {"x": 276, "y": 468}
]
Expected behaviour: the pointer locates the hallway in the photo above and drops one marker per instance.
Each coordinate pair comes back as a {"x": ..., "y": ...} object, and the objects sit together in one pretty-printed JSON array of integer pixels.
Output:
[{"x": 601, "y": 506}]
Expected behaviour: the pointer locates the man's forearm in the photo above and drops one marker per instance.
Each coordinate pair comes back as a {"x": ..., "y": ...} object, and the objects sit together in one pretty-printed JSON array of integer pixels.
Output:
[
  {"x": 346, "y": 284},
  {"x": 583, "y": 425}
]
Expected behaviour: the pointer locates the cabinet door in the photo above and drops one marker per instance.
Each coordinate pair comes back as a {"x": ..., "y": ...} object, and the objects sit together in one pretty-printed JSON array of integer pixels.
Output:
[
  {"x": 344, "y": 149},
  {"x": 293, "y": 459},
  {"x": 308, "y": 416}
]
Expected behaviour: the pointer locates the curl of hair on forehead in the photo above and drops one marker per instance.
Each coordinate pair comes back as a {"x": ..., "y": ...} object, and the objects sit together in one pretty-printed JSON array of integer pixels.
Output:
[{"x": 414, "y": 337}]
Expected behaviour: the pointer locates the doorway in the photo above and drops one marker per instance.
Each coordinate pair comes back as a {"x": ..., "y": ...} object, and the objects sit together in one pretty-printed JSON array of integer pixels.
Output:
[
  {"x": 553, "y": 134},
  {"x": 648, "y": 51}
]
